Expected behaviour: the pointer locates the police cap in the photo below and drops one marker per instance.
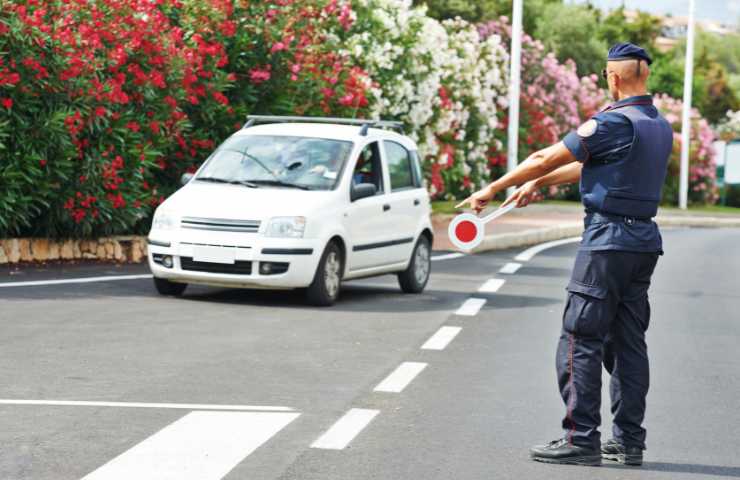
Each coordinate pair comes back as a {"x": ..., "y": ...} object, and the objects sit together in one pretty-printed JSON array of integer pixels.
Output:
[{"x": 628, "y": 51}]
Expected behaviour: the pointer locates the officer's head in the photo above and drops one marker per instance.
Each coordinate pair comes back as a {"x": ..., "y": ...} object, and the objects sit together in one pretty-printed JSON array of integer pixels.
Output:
[{"x": 627, "y": 70}]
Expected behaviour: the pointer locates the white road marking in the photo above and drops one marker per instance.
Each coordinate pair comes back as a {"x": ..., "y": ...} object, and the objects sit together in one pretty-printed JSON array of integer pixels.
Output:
[
  {"x": 112, "y": 278},
  {"x": 510, "y": 268},
  {"x": 441, "y": 339},
  {"x": 471, "y": 306},
  {"x": 345, "y": 429},
  {"x": 400, "y": 377},
  {"x": 492, "y": 285},
  {"x": 198, "y": 446},
  {"x": 447, "y": 256},
  {"x": 179, "y": 406},
  {"x": 527, "y": 254}
]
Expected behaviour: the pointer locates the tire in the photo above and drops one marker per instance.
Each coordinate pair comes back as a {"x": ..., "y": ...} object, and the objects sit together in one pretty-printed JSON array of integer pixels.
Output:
[
  {"x": 171, "y": 289},
  {"x": 326, "y": 284},
  {"x": 414, "y": 279}
]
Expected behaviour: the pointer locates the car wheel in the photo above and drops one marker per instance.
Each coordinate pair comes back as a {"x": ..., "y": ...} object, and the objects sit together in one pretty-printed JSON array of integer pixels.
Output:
[
  {"x": 416, "y": 276},
  {"x": 172, "y": 289},
  {"x": 324, "y": 290}
]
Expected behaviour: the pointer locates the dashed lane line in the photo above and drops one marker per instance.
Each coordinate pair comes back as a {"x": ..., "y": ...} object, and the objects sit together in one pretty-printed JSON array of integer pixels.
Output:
[
  {"x": 111, "y": 278},
  {"x": 400, "y": 377},
  {"x": 345, "y": 429},
  {"x": 198, "y": 446},
  {"x": 441, "y": 338},
  {"x": 510, "y": 268},
  {"x": 471, "y": 307},
  {"x": 492, "y": 285}
]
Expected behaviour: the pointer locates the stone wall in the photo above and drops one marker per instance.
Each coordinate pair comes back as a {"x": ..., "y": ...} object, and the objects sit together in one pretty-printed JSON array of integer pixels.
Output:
[{"x": 117, "y": 249}]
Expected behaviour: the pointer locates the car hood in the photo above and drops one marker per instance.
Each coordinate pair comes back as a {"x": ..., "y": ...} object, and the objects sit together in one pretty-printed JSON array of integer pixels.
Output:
[{"x": 236, "y": 202}]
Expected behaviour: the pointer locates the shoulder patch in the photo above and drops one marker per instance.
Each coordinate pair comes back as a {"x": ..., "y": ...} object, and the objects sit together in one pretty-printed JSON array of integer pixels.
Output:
[{"x": 588, "y": 128}]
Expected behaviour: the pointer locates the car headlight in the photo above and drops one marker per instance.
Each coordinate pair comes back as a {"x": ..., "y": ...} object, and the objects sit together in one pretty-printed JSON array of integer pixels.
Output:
[
  {"x": 286, "y": 227},
  {"x": 164, "y": 221}
]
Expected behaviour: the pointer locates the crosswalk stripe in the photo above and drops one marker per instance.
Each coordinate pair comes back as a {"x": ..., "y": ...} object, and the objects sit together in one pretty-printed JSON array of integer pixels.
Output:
[
  {"x": 199, "y": 446},
  {"x": 345, "y": 429}
]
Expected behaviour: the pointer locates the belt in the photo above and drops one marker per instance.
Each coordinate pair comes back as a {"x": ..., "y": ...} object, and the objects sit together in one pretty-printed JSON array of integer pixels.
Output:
[{"x": 596, "y": 217}]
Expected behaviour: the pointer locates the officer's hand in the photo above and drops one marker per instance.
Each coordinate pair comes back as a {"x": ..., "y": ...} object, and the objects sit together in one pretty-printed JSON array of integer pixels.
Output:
[
  {"x": 523, "y": 195},
  {"x": 478, "y": 200}
]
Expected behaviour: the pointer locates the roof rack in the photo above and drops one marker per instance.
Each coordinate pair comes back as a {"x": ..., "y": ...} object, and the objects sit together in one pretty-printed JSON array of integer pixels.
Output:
[{"x": 364, "y": 124}]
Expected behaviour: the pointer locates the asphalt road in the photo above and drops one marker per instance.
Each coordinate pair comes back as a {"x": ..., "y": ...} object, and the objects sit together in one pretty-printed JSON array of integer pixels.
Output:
[{"x": 240, "y": 384}]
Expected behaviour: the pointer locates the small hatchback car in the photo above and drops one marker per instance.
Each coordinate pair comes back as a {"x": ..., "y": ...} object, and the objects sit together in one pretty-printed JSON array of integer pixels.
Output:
[{"x": 294, "y": 202}]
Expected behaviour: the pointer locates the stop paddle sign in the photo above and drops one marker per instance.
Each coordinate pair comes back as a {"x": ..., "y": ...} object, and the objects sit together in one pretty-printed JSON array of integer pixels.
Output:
[{"x": 466, "y": 230}]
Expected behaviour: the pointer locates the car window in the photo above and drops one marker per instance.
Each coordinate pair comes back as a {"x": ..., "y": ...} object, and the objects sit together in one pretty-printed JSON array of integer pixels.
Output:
[
  {"x": 314, "y": 163},
  {"x": 369, "y": 167},
  {"x": 416, "y": 167},
  {"x": 399, "y": 166}
]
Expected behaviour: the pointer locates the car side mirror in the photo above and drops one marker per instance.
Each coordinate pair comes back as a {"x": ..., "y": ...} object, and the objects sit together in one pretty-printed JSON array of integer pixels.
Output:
[
  {"x": 363, "y": 190},
  {"x": 186, "y": 177}
]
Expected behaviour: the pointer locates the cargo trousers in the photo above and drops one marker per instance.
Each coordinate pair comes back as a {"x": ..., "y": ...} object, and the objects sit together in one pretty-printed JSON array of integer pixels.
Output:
[{"x": 606, "y": 316}]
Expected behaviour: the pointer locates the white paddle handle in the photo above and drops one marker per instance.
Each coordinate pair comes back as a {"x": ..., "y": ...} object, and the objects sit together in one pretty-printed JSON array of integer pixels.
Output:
[{"x": 498, "y": 213}]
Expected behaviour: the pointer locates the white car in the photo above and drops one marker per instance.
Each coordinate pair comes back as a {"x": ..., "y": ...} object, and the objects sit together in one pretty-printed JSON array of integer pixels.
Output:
[{"x": 293, "y": 202}]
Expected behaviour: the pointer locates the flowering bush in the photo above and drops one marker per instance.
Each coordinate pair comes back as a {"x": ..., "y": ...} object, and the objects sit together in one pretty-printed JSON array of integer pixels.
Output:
[
  {"x": 702, "y": 171},
  {"x": 442, "y": 80},
  {"x": 729, "y": 129},
  {"x": 104, "y": 105},
  {"x": 554, "y": 100}
]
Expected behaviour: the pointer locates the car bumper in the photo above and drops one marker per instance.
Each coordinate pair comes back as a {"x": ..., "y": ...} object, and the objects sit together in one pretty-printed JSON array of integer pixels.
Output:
[{"x": 301, "y": 256}]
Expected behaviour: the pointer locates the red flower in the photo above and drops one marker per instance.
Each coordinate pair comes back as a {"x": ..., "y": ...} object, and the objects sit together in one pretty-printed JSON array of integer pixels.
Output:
[
  {"x": 42, "y": 162},
  {"x": 154, "y": 126},
  {"x": 7, "y": 103},
  {"x": 133, "y": 126},
  {"x": 228, "y": 28},
  {"x": 220, "y": 98},
  {"x": 257, "y": 75}
]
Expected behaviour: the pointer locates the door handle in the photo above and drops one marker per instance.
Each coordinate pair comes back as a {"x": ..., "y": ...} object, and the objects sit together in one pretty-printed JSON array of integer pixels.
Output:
[
  {"x": 416, "y": 202},
  {"x": 386, "y": 207}
]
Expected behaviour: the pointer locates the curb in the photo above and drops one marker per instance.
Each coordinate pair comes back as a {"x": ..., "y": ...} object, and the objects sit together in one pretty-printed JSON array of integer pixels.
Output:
[{"x": 535, "y": 236}]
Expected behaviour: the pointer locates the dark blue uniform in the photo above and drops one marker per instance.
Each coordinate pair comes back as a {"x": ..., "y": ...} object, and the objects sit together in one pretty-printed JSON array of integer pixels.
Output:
[{"x": 625, "y": 151}]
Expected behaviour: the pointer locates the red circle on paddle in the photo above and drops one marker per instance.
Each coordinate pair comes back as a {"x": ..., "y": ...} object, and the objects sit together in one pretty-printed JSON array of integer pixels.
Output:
[{"x": 466, "y": 231}]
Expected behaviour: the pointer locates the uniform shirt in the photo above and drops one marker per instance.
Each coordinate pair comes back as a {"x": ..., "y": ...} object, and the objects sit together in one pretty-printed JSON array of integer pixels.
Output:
[{"x": 608, "y": 137}]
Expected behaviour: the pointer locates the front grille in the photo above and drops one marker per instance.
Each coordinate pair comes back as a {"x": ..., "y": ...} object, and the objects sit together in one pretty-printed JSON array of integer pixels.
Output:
[
  {"x": 220, "y": 224},
  {"x": 237, "y": 268}
]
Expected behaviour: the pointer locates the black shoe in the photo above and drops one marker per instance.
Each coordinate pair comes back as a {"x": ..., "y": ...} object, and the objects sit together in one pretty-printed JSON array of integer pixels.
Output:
[
  {"x": 562, "y": 452},
  {"x": 613, "y": 450}
]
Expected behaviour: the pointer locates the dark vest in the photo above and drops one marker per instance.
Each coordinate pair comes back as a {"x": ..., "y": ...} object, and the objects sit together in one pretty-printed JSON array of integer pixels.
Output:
[{"x": 631, "y": 186}]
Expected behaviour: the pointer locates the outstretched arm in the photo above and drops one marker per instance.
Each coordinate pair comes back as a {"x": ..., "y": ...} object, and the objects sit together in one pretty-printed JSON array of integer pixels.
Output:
[
  {"x": 570, "y": 173},
  {"x": 537, "y": 165}
]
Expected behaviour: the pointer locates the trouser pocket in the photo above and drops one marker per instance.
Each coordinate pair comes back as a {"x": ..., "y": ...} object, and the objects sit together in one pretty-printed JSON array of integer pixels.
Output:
[{"x": 587, "y": 311}]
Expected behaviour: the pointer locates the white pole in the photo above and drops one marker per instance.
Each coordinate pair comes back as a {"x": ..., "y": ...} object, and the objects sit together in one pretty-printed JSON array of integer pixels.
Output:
[
  {"x": 514, "y": 80},
  {"x": 686, "y": 123}
]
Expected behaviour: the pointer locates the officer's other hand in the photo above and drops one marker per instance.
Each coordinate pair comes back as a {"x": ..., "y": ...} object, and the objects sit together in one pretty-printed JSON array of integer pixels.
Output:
[
  {"x": 523, "y": 195},
  {"x": 478, "y": 200}
]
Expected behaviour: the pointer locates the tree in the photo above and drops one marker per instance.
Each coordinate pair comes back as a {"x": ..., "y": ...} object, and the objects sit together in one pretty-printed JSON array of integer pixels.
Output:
[
  {"x": 571, "y": 32},
  {"x": 642, "y": 31},
  {"x": 484, "y": 10}
]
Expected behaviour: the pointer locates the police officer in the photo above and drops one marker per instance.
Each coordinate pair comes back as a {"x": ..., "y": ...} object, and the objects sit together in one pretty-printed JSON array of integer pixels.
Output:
[{"x": 620, "y": 156}]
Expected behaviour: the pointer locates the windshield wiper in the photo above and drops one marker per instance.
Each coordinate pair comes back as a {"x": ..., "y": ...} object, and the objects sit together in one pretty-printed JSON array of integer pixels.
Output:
[
  {"x": 225, "y": 180},
  {"x": 280, "y": 183}
]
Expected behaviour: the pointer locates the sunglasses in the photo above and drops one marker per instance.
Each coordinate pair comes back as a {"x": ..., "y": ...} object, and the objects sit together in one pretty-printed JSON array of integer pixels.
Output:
[{"x": 605, "y": 74}]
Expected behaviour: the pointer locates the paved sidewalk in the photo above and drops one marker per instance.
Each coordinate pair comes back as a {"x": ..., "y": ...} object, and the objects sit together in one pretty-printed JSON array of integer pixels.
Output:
[{"x": 545, "y": 222}]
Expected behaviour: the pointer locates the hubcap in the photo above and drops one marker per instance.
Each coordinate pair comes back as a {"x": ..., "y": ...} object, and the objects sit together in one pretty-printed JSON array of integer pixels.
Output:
[
  {"x": 421, "y": 263},
  {"x": 331, "y": 274}
]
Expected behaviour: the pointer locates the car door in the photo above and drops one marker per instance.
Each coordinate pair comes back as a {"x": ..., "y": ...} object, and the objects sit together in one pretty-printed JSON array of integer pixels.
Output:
[
  {"x": 366, "y": 219},
  {"x": 406, "y": 198}
]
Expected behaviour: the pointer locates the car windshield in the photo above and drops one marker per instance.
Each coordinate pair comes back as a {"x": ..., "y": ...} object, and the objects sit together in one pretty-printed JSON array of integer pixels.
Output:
[{"x": 275, "y": 160}]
